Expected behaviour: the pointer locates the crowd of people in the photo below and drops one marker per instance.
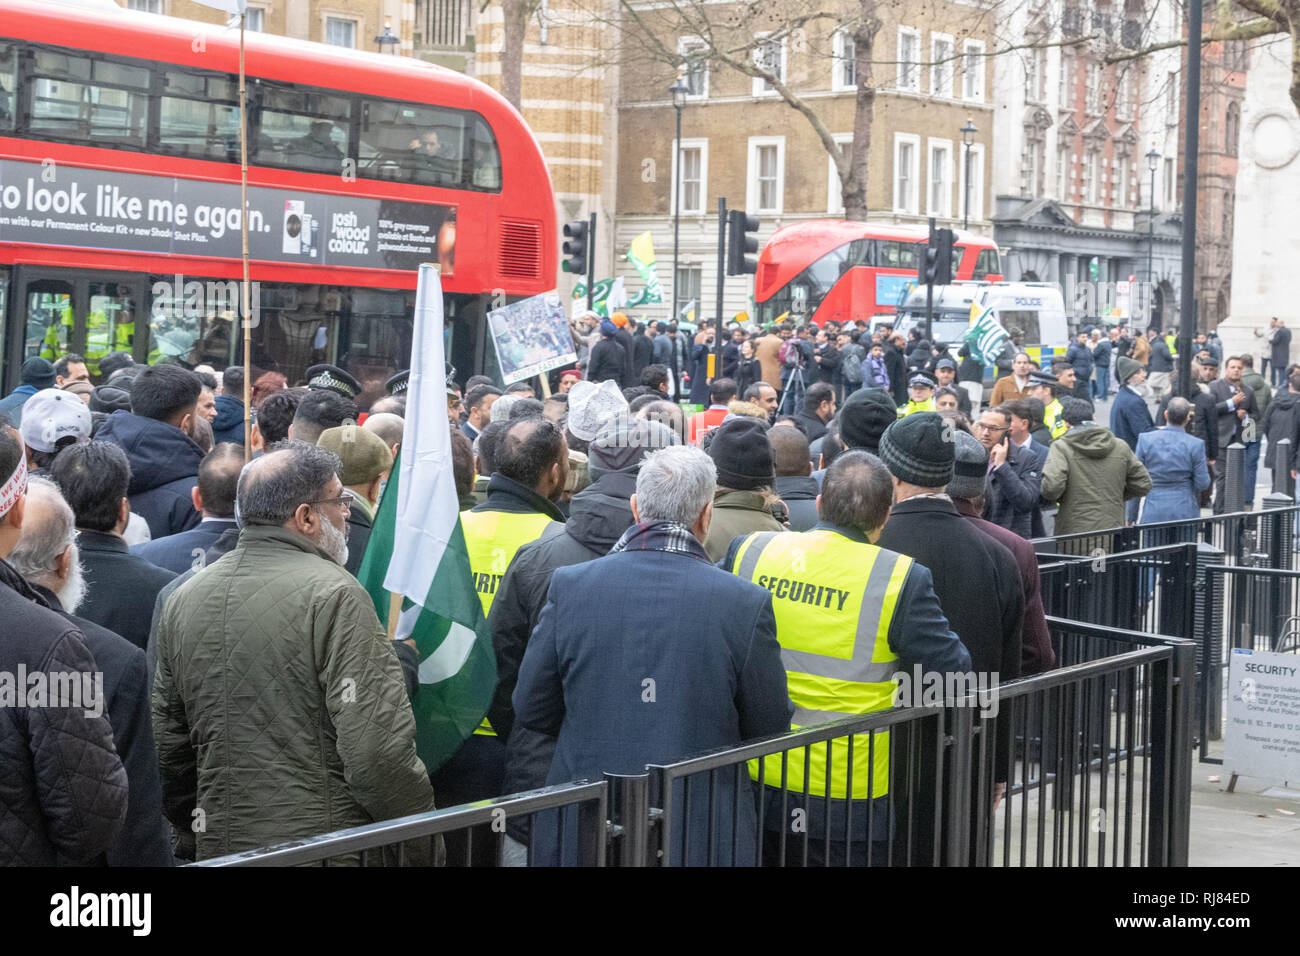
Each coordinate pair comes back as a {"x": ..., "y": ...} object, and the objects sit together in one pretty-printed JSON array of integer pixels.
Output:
[{"x": 812, "y": 547}]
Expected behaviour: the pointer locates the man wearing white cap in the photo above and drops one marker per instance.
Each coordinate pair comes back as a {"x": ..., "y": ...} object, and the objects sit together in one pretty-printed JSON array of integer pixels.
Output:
[{"x": 52, "y": 420}]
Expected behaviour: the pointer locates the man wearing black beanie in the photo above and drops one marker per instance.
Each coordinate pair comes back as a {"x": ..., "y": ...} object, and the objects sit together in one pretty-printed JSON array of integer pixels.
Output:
[
  {"x": 746, "y": 472},
  {"x": 976, "y": 578}
]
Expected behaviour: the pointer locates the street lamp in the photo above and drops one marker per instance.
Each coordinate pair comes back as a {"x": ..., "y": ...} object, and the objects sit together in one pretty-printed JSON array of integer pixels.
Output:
[
  {"x": 679, "y": 90},
  {"x": 968, "y": 140},
  {"x": 387, "y": 38},
  {"x": 1153, "y": 160}
]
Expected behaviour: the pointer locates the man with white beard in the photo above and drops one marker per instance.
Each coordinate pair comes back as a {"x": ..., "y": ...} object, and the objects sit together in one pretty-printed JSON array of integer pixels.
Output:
[
  {"x": 279, "y": 707},
  {"x": 46, "y": 556}
]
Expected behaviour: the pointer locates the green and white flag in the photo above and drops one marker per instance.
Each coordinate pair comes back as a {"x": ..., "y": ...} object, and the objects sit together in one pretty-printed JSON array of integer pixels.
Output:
[
  {"x": 985, "y": 335},
  {"x": 417, "y": 552},
  {"x": 642, "y": 256}
]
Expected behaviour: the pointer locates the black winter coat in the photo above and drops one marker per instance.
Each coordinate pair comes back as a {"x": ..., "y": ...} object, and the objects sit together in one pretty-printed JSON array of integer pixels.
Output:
[
  {"x": 896, "y": 366},
  {"x": 608, "y": 362},
  {"x": 1014, "y": 493},
  {"x": 643, "y": 354},
  {"x": 120, "y": 586},
  {"x": 63, "y": 789},
  {"x": 1282, "y": 420},
  {"x": 146, "y": 836},
  {"x": 164, "y": 468},
  {"x": 624, "y": 338},
  {"x": 598, "y": 516}
]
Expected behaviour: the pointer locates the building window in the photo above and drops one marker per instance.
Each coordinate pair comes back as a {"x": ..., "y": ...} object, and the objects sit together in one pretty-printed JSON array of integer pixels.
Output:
[
  {"x": 766, "y": 174},
  {"x": 1090, "y": 180},
  {"x": 941, "y": 63},
  {"x": 1066, "y": 92},
  {"x": 844, "y": 63},
  {"x": 1171, "y": 185},
  {"x": 1036, "y": 76},
  {"x": 1092, "y": 101},
  {"x": 939, "y": 195},
  {"x": 906, "y": 148},
  {"x": 255, "y": 20},
  {"x": 1171, "y": 99},
  {"x": 1122, "y": 174},
  {"x": 695, "y": 64},
  {"x": 834, "y": 187},
  {"x": 1032, "y": 162},
  {"x": 1063, "y": 173},
  {"x": 340, "y": 32},
  {"x": 1125, "y": 96},
  {"x": 909, "y": 57},
  {"x": 1231, "y": 129},
  {"x": 769, "y": 56},
  {"x": 1227, "y": 214},
  {"x": 973, "y": 70},
  {"x": 145, "y": 6},
  {"x": 695, "y": 175},
  {"x": 689, "y": 281}
]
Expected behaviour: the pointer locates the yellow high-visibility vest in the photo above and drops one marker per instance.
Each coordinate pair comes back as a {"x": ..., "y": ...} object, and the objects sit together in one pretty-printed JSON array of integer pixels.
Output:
[
  {"x": 926, "y": 406},
  {"x": 1052, "y": 419},
  {"x": 834, "y": 599},
  {"x": 493, "y": 538},
  {"x": 1171, "y": 340}
]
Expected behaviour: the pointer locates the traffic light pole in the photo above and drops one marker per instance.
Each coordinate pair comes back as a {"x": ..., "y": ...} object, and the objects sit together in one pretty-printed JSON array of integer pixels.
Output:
[
  {"x": 929, "y": 291},
  {"x": 715, "y": 360},
  {"x": 591, "y": 259}
]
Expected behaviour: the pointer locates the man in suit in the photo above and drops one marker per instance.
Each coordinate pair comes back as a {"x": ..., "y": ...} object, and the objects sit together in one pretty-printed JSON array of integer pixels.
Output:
[
  {"x": 120, "y": 586},
  {"x": 1176, "y": 463},
  {"x": 1129, "y": 416},
  {"x": 1279, "y": 351},
  {"x": 1015, "y": 475},
  {"x": 214, "y": 498},
  {"x": 652, "y": 670},
  {"x": 1023, "y": 426},
  {"x": 1238, "y": 420},
  {"x": 478, "y": 406}
]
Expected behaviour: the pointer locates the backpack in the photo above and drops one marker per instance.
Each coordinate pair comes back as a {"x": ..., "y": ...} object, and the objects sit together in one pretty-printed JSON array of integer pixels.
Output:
[
  {"x": 851, "y": 369},
  {"x": 791, "y": 354}
]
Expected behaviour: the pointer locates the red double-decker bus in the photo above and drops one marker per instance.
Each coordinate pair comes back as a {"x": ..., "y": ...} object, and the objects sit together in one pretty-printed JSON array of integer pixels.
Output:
[
  {"x": 833, "y": 269},
  {"x": 120, "y": 206}
]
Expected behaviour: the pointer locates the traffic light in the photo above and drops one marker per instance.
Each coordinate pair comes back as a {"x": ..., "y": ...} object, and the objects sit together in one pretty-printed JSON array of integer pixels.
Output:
[
  {"x": 740, "y": 243},
  {"x": 936, "y": 263},
  {"x": 575, "y": 247}
]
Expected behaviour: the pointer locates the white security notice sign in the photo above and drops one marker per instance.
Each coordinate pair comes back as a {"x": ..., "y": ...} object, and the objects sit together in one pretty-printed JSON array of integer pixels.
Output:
[{"x": 1262, "y": 738}]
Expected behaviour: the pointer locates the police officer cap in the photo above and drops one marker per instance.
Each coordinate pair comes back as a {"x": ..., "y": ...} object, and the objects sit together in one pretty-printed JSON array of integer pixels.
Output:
[
  {"x": 1042, "y": 378},
  {"x": 398, "y": 383},
  {"x": 920, "y": 380},
  {"x": 334, "y": 379}
]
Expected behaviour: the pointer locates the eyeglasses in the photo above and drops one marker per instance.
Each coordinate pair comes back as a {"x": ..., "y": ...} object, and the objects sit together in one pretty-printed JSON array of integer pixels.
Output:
[
  {"x": 980, "y": 426},
  {"x": 345, "y": 500}
]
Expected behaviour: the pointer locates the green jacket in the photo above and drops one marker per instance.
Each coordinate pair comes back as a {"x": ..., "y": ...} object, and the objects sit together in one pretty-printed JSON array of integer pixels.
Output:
[
  {"x": 279, "y": 707},
  {"x": 1256, "y": 383},
  {"x": 736, "y": 513},
  {"x": 1091, "y": 473}
]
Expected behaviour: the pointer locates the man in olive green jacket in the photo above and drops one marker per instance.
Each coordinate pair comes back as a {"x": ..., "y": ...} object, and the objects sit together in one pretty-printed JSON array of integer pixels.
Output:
[
  {"x": 746, "y": 471},
  {"x": 1091, "y": 473},
  {"x": 279, "y": 707}
]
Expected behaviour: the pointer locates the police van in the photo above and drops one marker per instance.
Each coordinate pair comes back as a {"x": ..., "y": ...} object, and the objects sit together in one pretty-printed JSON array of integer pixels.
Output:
[{"x": 1032, "y": 312}]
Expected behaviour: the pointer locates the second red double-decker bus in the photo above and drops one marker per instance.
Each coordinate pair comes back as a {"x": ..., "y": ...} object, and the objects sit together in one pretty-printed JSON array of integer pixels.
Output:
[
  {"x": 833, "y": 269},
  {"x": 120, "y": 202}
]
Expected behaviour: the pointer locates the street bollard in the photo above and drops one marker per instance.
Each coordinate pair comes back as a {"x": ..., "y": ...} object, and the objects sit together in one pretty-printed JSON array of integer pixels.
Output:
[
  {"x": 1283, "y": 483},
  {"x": 1234, "y": 480}
]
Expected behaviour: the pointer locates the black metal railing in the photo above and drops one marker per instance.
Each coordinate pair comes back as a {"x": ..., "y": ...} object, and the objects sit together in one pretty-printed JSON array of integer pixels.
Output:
[
  {"x": 1246, "y": 607},
  {"x": 1150, "y": 590},
  {"x": 1086, "y": 765}
]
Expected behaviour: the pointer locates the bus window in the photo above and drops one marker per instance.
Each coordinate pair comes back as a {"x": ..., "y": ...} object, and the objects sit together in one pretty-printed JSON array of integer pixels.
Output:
[
  {"x": 486, "y": 174},
  {"x": 414, "y": 143},
  {"x": 309, "y": 130},
  {"x": 896, "y": 255},
  {"x": 987, "y": 264},
  {"x": 198, "y": 116},
  {"x": 75, "y": 97},
  {"x": 8, "y": 85},
  {"x": 110, "y": 323},
  {"x": 49, "y": 319}
]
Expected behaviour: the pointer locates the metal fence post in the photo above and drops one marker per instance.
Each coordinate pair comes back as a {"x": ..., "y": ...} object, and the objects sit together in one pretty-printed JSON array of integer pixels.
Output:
[
  {"x": 1208, "y": 630},
  {"x": 959, "y": 784},
  {"x": 1183, "y": 708},
  {"x": 629, "y": 806},
  {"x": 1283, "y": 483}
]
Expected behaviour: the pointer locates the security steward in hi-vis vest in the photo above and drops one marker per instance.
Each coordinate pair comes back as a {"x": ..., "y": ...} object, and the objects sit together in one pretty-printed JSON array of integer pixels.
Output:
[
  {"x": 511, "y": 517},
  {"x": 849, "y": 616},
  {"x": 920, "y": 392},
  {"x": 1052, "y": 407}
]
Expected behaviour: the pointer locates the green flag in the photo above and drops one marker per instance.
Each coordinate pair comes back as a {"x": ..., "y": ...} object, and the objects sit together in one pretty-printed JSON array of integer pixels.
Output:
[{"x": 417, "y": 552}]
